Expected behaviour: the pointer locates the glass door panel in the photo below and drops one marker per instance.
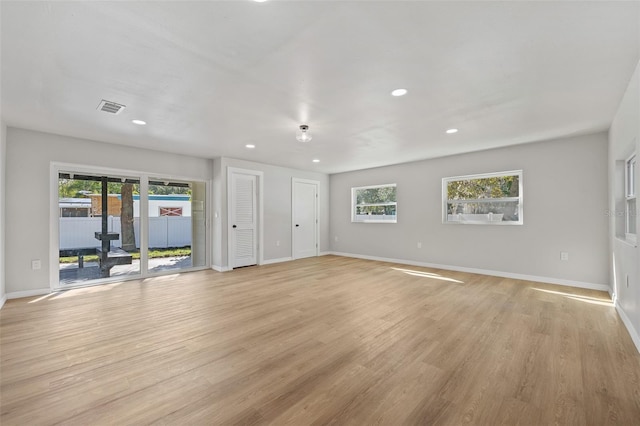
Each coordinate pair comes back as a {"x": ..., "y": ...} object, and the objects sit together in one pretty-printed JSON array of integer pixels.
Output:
[
  {"x": 98, "y": 229},
  {"x": 176, "y": 215}
]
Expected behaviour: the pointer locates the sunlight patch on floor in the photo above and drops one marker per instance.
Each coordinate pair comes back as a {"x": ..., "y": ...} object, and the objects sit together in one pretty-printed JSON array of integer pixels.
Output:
[
  {"x": 85, "y": 290},
  {"x": 41, "y": 298},
  {"x": 579, "y": 298},
  {"x": 426, "y": 275},
  {"x": 162, "y": 278}
]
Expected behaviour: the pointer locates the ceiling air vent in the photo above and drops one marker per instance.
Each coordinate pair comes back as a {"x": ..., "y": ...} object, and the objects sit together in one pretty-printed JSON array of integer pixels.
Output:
[{"x": 110, "y": 107}]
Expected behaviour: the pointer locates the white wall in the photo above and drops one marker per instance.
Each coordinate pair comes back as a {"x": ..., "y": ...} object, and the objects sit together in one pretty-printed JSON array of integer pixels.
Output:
[
  {"x": 624, "y": 138},
  {"x": 3, "y": 138},
  {"x": 277, "y": 209},
  {"x": 28, "y": 158},
  {"x": 565, "y": 202}
]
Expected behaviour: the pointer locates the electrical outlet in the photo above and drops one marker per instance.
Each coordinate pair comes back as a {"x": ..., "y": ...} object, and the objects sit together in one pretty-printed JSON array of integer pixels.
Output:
[
  {"x": 419, "y": 245},
  {"x": 36, "y": 264},
  {"x": 278, "y": 243},
  {"x": 564, "y": 255}
]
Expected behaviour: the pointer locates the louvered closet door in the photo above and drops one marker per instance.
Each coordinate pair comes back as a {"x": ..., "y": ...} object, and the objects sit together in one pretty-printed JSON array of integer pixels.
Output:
[{"x": 243, "y": 220}]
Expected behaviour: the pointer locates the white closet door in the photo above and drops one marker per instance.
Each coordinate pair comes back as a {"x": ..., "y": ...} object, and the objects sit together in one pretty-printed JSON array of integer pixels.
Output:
[
  {"x": 243, "y": 230},
  {"x": 305, "y": 218}
]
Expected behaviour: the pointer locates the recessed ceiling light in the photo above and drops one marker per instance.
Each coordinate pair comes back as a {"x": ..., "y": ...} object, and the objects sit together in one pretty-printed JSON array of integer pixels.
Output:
[
  {"x": 399, "y": 92},
  {"x": 315, "y": 160},
  {"x": 250, "y": 145},
  {"x": 139, "y": 122},
  {"x": 451, "y": 131}
]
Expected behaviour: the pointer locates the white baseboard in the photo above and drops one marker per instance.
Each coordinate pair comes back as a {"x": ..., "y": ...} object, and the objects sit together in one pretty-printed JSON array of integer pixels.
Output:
[
  {"x": 627, "y": 322},
  {"x": 28, "y": 293},
  {"x": 548, "y": 280},
  {"x": 280, "y": 260},
  {"x": 264, "y": 262},
  {"x": 220, "y": 268},
  {"x": 3, "y": 300},
  {"x": 325, "y": 253}
]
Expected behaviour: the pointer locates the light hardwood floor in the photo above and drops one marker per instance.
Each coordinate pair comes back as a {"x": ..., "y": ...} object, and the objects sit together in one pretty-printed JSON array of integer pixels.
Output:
[{"x": 326, "y": 340}]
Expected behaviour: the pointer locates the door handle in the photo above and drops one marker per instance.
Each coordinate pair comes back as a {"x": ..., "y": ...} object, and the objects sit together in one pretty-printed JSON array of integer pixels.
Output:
[
  {"x": 234, "y": 226},
  {"x": 297, "y": 225}
]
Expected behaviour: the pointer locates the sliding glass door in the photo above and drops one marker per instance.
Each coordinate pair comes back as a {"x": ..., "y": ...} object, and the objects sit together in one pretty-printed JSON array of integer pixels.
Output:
[{"x": 117, "y": 226}]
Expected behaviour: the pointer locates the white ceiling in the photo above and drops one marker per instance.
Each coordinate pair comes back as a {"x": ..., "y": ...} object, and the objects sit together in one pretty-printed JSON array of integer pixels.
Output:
[{"x": 210, "y": 77}]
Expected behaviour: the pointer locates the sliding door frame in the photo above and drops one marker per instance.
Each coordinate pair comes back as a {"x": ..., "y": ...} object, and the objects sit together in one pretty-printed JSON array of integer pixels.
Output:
[{"x": 54, "y": 223}]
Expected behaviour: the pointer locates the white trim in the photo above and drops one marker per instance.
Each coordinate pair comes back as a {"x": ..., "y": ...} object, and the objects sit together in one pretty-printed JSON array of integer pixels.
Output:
[
  {"x": 280, "y": 260},
  {"x": 260, "y": 197},
  {"x": 3, "y": 300},
  {"x": 354, "y": 197},
  {"x": 629, "y": 181},
  {"x": 548, "y": 280},
  {"x": 635, "y": 337},
  {"x": 326, "y": 253},
  {"x": 28, "y": 293},
  {"x": 295, "y": 180},
  {"x": 623, "y": 240},
  {"x": 445, "y": 198},
  {"x": 220, "y": 268},
  {"x": 630, "y": 195}
]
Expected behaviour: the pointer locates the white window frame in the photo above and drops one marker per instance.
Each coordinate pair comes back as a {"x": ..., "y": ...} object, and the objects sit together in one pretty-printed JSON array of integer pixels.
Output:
[
  {"x": 354, "y": 217},
  {"x": 488, "y": 220},
  {"x": 630, "y": 195}
]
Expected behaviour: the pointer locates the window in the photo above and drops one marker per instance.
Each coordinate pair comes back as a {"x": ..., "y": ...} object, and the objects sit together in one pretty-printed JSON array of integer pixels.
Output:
[
  {"x": 630, "y": 193},
  {"x": 374, "y": 204},
  {"x": 171, "y": 211},
  {"x": 486, "y": 199}
]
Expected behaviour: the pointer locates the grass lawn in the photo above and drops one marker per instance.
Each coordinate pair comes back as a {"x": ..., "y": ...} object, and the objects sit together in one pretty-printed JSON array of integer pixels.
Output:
[{"x": 153, "y": 253}]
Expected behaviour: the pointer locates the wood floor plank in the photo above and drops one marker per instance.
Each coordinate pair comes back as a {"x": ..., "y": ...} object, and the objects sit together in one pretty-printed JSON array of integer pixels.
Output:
[{"x": 327, "y": 340}]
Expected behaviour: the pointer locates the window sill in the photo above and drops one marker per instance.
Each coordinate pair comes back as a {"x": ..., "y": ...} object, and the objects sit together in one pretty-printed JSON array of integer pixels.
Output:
[
  {"x": 374, "y": 221},
  {"x": 627, "y": 241}
]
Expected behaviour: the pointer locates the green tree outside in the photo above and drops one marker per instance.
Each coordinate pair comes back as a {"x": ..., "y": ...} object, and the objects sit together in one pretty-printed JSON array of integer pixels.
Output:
[{"x": 376, "y": 201}]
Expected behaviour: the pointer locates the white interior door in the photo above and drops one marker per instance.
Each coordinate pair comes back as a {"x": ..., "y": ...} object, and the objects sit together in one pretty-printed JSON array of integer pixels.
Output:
[
  {"x": 243, "y": 220},
  {"x": 305, "y": 218}
]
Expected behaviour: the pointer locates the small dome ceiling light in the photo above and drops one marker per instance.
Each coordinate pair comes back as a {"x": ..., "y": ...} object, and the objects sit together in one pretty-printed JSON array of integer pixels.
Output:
[
  {"x": 399, "y": 92},
  {"x": 452, "y": 131},
  {"x": 139, "y": 122},
  {"x": 303, "y": 135},
  {"x": 250, "y": 146},
  {"x": 315, "y": 160}
]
